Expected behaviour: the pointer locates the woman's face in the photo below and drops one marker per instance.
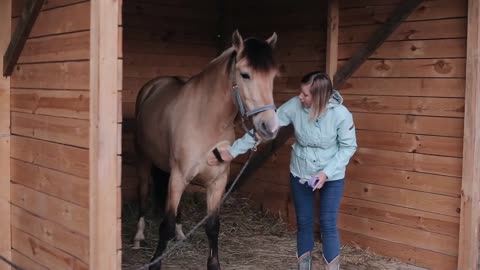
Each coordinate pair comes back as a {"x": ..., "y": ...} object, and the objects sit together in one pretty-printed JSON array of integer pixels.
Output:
[{"x": 305, "y": 96}]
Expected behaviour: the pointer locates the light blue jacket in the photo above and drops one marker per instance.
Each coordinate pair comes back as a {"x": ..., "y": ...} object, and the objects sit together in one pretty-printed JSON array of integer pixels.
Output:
[{"x": 326, "y": 144}]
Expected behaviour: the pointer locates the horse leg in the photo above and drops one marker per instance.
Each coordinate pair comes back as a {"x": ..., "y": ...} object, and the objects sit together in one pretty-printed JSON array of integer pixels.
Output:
[
  {"x": 176, "y": 186},
  {"x": 215, "y": 191},
  {"x": 179, "y": 235},
  {"x": 144, "y": 168}
]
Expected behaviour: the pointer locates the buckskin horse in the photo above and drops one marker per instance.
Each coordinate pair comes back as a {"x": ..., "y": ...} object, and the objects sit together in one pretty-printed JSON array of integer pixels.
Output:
[{"x": 180, "y": 123}]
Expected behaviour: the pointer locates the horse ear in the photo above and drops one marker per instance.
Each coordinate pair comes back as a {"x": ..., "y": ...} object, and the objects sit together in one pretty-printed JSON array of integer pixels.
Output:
[
  {"x": 237, "y": 41},
  {"x": 272, "y": 40}
]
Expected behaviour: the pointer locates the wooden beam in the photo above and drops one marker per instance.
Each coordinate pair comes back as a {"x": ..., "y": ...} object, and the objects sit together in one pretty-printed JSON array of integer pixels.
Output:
[
  {"x": 22, "y": 31},
  {"x": 104, "y": 171},
  {"x": 382, "y": 33},
  {"x": 362, "y": 54},
  {"x": 5, "y": 229},
  {"x": 469, "y": 245},
  {"x": 332, "y": 37}
]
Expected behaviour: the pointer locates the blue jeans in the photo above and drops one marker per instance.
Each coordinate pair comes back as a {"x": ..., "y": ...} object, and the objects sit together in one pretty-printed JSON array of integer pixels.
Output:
[{"x": 304, "y": 200}]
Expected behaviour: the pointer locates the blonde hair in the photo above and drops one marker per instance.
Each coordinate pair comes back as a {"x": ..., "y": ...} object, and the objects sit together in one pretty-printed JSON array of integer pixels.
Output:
[{"x": 321, "y": 89}]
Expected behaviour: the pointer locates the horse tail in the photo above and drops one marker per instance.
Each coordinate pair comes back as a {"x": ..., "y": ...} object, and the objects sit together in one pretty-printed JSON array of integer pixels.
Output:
[{"x": 160, "y": 190}]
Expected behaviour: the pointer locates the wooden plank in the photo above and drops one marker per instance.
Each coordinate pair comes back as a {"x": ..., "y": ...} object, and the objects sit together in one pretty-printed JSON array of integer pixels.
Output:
[
  {"x": 440, "y": 126},
  {"x": 61, "y": 185},
  {"x": 162, "y": 35},
  {"x": 393, "y": 177},
  {"x": 451, "y": 107},
  {"x": 65, "y": 47},
  {"x": 68, "y": 159},
  {"x": 155, "y": 71},
  {"x": 50, "y": 4},
  {"x": 167, "y": 48},
  {"x": 448, "y": 166},
  {"x": 436, "y": 68},
  {"x": 448, "y": 28},
  {"x": 408, "y": 254},
  {"x": 50, "y": 233},
  {"x": 407, "y": 217},
  {"x": 442, "y": 244},
  {"x": 423, "y": 201},
  {"x": 20, "y": 35},
  {"x": 428, "y": 10},
  {"x": 5, "y": 231},
  {"x": 41, "y": 252},
  {"x": 51, "y": 128},
  {"x": 440, "y": 48},
  {"x": 64, "y": 75},
  {"x": 73, "y": 18},
  {"x": 63, "y": 103},
  {"x": 404, "y": 142},
  {"x": 72, "y": 216},
  {"x": 470, "y": 202},
  {"x": 147, "y": 59},
  {"x": 25, "y": 262},
  {"x": 379, "y": 36},
  {"x": 103, "y": 127},
  {"x": 332, "y": 37},
  {"x": 428, "y": 87}
]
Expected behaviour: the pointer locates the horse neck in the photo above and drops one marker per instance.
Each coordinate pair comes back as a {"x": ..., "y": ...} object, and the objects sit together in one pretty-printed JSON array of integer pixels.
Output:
[{"x": 218, "y": 89}]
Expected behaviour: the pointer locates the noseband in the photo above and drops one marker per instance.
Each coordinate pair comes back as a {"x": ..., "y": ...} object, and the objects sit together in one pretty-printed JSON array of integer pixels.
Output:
[{"x": 245, "y": 115}]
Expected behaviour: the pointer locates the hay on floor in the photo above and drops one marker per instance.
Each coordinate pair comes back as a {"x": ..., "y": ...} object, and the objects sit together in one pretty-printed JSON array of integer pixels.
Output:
[{"x": 249, "y": 239}]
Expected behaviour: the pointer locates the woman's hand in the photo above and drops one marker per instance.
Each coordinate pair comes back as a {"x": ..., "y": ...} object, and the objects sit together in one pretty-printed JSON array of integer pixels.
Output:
[
  {"x": 224, "y": 153},
  {"x": 322, "y": 178}
]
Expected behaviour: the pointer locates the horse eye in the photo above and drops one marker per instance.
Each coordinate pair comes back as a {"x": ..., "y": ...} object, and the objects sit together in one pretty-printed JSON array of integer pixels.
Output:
[{"x": 245, "y": 76}]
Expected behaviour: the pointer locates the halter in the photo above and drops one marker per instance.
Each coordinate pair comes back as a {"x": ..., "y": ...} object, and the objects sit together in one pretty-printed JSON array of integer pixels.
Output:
[{"x": 241, "y": 107}]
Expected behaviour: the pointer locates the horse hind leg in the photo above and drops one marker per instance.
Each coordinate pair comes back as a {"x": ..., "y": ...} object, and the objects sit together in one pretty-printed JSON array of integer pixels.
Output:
[
  {"x": 215, "y": 192},
  {"x": 144, "y": 176},
  {"x": 176, "y": 186}
]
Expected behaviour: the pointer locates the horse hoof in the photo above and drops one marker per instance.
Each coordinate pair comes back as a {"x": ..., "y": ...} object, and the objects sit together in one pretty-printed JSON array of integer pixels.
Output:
[
  {"x": 136, "y": 244},
  {"x": 179, "y": 235},
  {"x": 213, "y": 264},
  {"x": 157, "y": 266}
]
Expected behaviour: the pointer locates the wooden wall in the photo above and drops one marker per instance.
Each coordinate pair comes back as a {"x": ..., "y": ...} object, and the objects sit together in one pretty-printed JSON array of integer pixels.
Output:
[
  {"x": 161, "y": 38},
  {"x": 403, "y": 185},
  {"x": 49, "y": 107},
  {"x": 5, "y": 231}
]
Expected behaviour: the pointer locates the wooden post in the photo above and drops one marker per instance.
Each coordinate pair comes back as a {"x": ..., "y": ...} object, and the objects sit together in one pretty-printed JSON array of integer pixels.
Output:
[
  {"x": 468, "y": 257},
  {"x": 5, "y": 233},
  {"x": 22, "y": 31},
  {"x": 332, "y": 37},
  {"x": 104, "y": 171}
]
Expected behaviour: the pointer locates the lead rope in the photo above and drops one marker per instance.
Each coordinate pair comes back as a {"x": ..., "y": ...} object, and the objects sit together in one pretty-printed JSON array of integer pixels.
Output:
[{"x": 180, "y": 242}]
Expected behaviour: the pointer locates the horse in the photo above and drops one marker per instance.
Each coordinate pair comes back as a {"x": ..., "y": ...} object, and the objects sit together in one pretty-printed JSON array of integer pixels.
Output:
[{"x": 181, "y": 122}]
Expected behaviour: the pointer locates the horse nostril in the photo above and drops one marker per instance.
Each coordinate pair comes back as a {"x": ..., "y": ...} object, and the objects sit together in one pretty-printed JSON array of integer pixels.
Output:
[{"x": 264, "y": 126}]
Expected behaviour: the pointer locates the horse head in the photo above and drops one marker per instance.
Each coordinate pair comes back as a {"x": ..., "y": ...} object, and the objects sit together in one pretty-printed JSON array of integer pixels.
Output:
[{"x": 255, "y": 71}]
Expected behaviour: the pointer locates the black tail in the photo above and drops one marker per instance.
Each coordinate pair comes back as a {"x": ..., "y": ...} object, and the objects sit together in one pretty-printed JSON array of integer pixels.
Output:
[{"x": 160, "y": 191}]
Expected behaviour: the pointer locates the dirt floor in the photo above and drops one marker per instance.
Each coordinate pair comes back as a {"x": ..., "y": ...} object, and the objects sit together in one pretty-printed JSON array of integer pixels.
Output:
[{"x": 249, "y": 239}]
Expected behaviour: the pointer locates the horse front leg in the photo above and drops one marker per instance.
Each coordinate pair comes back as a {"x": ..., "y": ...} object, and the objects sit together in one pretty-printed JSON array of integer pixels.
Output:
[
  {"x": 215, "y": 191},
  {"x": 176, "y": 186}
]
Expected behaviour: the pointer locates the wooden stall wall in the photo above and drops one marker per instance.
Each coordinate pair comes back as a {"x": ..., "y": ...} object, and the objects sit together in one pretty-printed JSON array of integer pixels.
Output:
[
  {"x": 161, "y": 38},
  {"x": 301, "y": 48},
  {"x": 5, "y": 232},
  {"x": 402, "y": 192},
  {"x": 50, "y": 138}
]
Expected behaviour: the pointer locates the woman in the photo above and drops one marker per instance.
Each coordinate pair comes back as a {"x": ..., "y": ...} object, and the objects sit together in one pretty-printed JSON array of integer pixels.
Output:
[{"x": 325, "y": 142}]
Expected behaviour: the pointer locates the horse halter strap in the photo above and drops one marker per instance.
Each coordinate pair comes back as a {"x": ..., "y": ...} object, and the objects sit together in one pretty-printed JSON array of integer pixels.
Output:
[{"x": 239, "y": 103}]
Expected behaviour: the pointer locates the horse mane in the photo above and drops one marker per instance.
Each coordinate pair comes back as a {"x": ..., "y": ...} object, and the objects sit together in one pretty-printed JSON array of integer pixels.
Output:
[{"x": 259, "y": 55}]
